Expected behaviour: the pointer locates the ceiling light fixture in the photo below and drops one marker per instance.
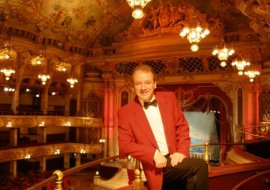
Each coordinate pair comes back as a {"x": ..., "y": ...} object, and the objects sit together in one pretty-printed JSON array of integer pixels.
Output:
[
  {"x": 194, "y": 35},
  {"x": 72, "y": 82},
  {"x": 223, "y": 54},
  {"x": 240, "y": 65},
  {"x": 44, "y": 78},
  {"x": 38, "y": 60},
  {"x": 7, "y": 52},
  {"x": 137, "y": 6},
  {"x": 252, "y": 74},
  {"x": 7, "y": 73}
]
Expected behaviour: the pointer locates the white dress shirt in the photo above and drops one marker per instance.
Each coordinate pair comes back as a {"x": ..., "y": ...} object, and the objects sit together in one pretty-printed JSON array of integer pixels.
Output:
[{"x": 156, "y": 124}]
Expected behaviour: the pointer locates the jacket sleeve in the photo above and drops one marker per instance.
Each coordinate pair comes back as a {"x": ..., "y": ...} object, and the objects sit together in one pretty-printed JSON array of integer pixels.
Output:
[{"x": 129, "y": 142}]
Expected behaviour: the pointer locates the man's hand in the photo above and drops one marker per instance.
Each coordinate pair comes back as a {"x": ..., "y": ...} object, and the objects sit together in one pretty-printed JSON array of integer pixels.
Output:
[
  {"x": 176, "y": 158},
  {"x": 160, "y": 160}
]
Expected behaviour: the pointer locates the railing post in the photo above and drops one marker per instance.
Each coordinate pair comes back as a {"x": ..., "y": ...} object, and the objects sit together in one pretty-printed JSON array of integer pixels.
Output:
[
  {"x": 137, "y": 184},
  {"x": 59, "y": 180},
  {"x": 206, "y": 152},
  {"x": 96, "y": 178}
]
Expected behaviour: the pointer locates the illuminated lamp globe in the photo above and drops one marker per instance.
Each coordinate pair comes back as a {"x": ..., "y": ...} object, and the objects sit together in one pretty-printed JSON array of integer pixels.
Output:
[
  {"x": 194, "y": 47},
  {"x": 223, "y": 63},
  {"x": 137, "y": 13}
]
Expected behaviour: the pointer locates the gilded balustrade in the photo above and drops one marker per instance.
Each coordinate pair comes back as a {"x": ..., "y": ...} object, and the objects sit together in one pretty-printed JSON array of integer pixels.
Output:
[
  {"x": 11, "y": 121},
  {"x": 47, "y": 150}
]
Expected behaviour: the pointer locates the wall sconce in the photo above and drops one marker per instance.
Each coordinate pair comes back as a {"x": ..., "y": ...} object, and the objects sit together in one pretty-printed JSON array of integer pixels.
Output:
[
  {"x": 68, "y": 124},
  {"x": 9, "y": 89},
  {"x": 57, "y": 151},
  {"x": 27, "y": 156},
  {"x": 42, "y": 124},
  {"x": 102, "y": 141},
  {"x": 9, "y": 124},
  {"x": 82, "y": 151}
]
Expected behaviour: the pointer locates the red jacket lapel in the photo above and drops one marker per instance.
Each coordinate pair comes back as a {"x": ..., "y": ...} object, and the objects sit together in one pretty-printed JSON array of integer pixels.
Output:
[{"x": 141, "y": 121}]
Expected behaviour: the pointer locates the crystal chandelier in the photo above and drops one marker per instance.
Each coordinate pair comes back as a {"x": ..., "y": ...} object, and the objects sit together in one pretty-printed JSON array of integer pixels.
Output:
[
  {"x": 7, "y": 52},
  {"x": 4, "y": 54},
  {"x": 38, "y": 60},
  {"x": 240, "y": 65},
  {"x": 44, "y": 78},
  {"x": 194, "y": 35},
  {"x": 137, "y": 6},
  {"x": 7, "y": 73},
  {"x": 8, "y": 58},
  {"x": 252, "y": 74},
  {"x": 223, "y": 54},
  {"x": 72, "y": 82}
]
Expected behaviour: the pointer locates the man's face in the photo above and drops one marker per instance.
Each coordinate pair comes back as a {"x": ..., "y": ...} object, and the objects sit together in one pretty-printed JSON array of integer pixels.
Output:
[{"x": 144, "y": 85}]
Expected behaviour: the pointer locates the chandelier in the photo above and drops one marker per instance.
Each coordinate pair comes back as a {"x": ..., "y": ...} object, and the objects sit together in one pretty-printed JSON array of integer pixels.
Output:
[
  {"x": 38, "y": 60},
  {"x": 72, "y": 82},
  {"x": 194, "y": 35},
  {"x": 7, "y": 73},
  {"x": 8, "y": 58},
  {"x": 240, "y": 65},
  {"x": 252, "y": 74},
  {"x": 137, "y": 6},
  {"x": 223, "y": 54},
  {"x": 7, "y": 52},
  {"x": 44, "y": 78}
]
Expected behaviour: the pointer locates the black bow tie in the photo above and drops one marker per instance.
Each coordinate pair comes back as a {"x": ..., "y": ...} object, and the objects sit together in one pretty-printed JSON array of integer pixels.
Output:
[{"x": 152, "y": 103}]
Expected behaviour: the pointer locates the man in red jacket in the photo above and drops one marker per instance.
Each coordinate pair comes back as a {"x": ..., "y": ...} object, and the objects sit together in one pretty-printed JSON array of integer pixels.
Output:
[{"x": 153, "y": 129}]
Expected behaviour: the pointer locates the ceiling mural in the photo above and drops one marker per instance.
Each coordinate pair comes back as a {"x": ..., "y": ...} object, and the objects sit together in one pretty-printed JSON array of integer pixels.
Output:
[{"x": 75, "y": 21}]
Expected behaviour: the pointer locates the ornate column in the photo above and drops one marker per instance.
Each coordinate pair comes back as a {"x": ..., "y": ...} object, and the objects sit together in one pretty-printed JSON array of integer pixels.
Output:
[
  {"x": 42, "y": 163},
  {"x": 42, "y": 138},
  {"x": 44, "y": 100},
  {"x": 22, "y": 61},
  {"x": 67, "y": 104},
  {"x": 67, "y": 161},
  {"x": 13, "y": 168},
  {"x": 237, "y": 127},
  {"x": 15, "y": 98},
  {"x": 67, "y": 134},
  {"x": 257, "y": 89},
  {"x": 13, "y": 137},
  {"x": 78, "y": 97},
  {"x": 250, "y": 109},
  {"x": 13, "y": 142},
  {"x": 77, "y": 134},
  {"x": 109, "y": 112}
]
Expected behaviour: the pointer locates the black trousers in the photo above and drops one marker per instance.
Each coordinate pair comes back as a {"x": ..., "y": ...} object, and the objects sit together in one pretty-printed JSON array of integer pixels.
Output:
[{"x": 190, "y": 174}]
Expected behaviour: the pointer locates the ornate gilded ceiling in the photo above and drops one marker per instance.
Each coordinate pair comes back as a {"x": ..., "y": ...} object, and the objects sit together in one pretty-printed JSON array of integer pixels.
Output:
[
  {"x": 96, "y": 22},
  {"x": 93, "y": 29},
  {"x": 74, "y": 21}
]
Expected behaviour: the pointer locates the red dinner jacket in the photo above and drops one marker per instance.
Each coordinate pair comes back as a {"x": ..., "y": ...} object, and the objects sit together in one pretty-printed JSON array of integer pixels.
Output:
[{"x": 136, "y": 138}]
